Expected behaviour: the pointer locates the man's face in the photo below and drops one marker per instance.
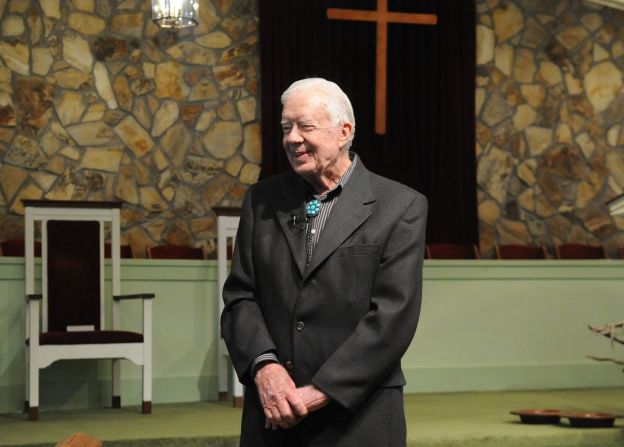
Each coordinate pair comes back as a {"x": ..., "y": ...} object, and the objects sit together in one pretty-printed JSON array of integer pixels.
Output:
[{"x": 311, "y": 141}]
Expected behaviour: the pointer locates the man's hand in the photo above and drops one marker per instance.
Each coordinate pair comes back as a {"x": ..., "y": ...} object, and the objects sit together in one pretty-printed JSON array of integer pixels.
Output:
[
  {"x": 281, "y": 401},
  {"x": 312, "y": 397}
]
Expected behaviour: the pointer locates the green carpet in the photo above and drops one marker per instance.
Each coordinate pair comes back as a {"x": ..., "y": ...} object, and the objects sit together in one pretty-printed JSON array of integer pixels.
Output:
[
  {"x": 483, "y": 419},
  {"x": 194, "y": 424},
  {"x": 434, "y": 420}
]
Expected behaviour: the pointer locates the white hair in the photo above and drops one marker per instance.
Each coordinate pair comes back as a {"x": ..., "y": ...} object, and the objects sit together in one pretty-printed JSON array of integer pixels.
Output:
[{"x": 337, "y": 104}]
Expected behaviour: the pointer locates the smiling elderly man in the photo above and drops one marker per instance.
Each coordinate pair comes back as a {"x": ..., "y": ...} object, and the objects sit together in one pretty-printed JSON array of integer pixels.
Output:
[{"x": 324, "y": 294}]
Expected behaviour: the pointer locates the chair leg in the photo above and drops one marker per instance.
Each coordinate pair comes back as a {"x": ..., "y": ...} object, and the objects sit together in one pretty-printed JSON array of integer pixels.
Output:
[
  {"x": 33, "y": 394},
  {"x": 116, "y": 401},
  {"x": 33, "y": 413},
  {"x": 27, "y": 380},
  {"x": 237, "y": 389},
  {"x": 224, "y": 372},
  {"x": 146, "y": 408}
]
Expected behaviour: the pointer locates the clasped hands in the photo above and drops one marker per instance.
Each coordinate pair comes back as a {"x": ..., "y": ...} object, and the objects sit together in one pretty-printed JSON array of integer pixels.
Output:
[{"x": 283, "y": 403}]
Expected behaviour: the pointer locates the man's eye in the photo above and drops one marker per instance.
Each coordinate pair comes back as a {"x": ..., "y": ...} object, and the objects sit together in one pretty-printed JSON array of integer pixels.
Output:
[
  {"x": 308, "y": 127},
  {"x": 286, "y": 129}
]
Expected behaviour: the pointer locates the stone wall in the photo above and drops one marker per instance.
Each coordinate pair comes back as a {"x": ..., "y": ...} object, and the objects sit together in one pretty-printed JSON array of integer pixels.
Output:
[
  {"x": 98, "y": 103},
  {"x": 549, "y": 107}
]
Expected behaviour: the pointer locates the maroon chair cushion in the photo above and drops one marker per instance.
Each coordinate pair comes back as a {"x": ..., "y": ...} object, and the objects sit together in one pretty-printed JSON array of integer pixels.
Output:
[
  {"x": 580, "y": 251},
  {"x": 451, "y": 251},
  {"x": 73, "y": 274},
  {"x": 124, "y": 250},
  {"x": 89, "y": 337},
  {"x": 513, "y": 251},
  {"x": 17, "y": 247},
  {"x": 229, "y": 251},
  {"x": 175, "y": 252}
]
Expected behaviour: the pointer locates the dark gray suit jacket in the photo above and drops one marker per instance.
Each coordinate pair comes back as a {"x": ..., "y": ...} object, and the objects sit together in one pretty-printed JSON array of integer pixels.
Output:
[{"x": 341, "y": 324}]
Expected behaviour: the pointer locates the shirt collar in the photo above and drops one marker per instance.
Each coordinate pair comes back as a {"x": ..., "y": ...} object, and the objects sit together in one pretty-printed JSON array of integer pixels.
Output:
[{"x": 341, "y": 184}]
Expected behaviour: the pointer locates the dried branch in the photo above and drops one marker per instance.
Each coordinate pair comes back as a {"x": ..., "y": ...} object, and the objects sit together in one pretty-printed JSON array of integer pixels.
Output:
[
  {"x": 609, "y": 331},
  {"x": 607, "y": 359}
]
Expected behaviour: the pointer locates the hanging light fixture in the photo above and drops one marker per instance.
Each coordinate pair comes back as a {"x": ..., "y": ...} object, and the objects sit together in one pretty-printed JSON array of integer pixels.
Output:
[{"x": 175, "y": 13}]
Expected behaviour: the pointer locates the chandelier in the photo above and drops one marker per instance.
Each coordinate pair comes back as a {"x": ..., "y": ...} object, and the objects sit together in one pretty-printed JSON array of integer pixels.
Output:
[{"x": 175, "y": 13}]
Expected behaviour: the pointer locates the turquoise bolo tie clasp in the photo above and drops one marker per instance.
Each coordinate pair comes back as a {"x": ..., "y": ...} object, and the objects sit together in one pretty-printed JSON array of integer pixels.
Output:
[{"x": 313, "y": 207}]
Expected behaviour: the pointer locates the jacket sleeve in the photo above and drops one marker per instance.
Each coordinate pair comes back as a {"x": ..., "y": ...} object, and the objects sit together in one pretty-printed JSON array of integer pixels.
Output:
[
  {"x": 374, "y": 350},
  {"x": 242, "y": 325}
]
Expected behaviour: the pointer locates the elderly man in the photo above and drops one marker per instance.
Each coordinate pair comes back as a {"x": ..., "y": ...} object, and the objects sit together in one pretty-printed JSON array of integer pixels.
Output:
[{"x": 324, "y": 294}]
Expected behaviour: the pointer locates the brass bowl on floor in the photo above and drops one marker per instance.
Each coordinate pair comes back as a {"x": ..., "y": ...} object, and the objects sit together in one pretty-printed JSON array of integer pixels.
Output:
[
  {"x": 589, "y": 419},
  {"x": 538, "y": 416}
]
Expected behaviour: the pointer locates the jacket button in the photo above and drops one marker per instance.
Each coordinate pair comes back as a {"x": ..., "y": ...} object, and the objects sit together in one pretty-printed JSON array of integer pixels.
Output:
[
  {"x": 300, "y": 325},
  {"x": 289, "y": 365}
]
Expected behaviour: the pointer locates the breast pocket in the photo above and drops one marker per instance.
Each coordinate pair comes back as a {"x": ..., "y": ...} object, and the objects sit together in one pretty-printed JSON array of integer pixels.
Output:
[
  {"x": 358, "y": 265},
  {"x": 358, "y": 250}
]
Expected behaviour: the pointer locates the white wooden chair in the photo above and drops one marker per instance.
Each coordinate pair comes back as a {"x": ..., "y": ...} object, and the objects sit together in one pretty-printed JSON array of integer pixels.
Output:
[
  {"x": 66, "y": 303},
  {"x": 227, "y": 226}
]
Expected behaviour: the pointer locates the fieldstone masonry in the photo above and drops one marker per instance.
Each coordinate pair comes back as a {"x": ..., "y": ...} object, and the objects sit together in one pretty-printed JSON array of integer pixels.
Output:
[
  {"x": 549, "y": 107},
  {"x": 98, "y": 103}
]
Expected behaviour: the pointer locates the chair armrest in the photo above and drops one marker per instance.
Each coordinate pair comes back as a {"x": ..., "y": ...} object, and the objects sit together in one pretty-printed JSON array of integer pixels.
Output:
[
  {"x": 146, "y": 299},
  {"x": 34, "y": 297},
  {"x": 135, "y": 296}
]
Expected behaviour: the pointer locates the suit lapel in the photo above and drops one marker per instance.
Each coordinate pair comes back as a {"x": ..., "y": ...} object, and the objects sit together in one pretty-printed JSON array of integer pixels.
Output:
[
  {"x": 291, "y": 203},
  {"x": 353, "y": 208}
]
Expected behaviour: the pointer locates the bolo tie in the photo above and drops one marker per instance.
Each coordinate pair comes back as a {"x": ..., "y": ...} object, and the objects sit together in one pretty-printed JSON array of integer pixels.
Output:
[{"x": 312, "y": 209}]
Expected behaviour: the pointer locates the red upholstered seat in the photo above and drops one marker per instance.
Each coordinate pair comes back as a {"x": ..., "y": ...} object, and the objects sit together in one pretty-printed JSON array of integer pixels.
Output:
[
  {"x": 89, "y": 337},
  {"x": 124, "y": 250},
  {"x": 579, "y": 251},
  {"x": 514, "y": 251},
  {"x": 175, "y": 252},
  {"x": 16, "y": 247},
  {"x": 452, "y": 251}
]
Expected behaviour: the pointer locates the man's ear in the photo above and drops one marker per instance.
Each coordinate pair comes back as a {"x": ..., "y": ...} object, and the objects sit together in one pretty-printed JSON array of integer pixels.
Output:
[{"x": 346, "y": 129}]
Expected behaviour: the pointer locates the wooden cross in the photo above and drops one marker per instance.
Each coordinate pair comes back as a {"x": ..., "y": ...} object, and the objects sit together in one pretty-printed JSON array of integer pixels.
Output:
[{"x": 382, "y": 16}]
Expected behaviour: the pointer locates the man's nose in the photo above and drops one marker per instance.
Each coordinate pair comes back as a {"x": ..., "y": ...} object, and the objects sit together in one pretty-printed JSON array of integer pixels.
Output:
[{"x": 294, "y": 136}]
